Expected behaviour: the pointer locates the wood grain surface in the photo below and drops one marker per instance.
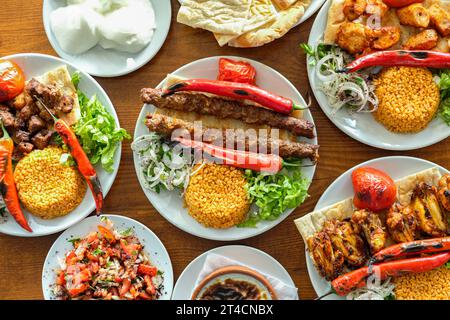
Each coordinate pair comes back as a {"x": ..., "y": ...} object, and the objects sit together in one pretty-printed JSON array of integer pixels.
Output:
[{"x": 21, "y": 259}]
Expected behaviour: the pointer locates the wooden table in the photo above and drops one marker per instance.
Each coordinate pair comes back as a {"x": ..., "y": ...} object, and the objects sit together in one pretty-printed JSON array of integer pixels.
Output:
[{"x": 21, "y": 259}]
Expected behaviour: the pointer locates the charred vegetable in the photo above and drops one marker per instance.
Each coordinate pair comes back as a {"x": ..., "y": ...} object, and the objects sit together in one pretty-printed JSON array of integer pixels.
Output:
[
  {"x": 12, "y": 80},
  {"x": 401, "y": 223}
]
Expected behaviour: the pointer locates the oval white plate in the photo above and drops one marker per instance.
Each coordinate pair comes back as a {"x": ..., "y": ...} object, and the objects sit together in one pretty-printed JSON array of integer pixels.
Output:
[
  {"x": 112, "y": 63},
  {"x": 170, "y": 204},
  {"x": 397, "y": 167},
  {"x": 153, "y": 247},
  {"x": 313, "y": 7},
  {"x": 362, "y": 126},
  {"x": 247, "y": 255},
  {"x": 34, "y": 64}
]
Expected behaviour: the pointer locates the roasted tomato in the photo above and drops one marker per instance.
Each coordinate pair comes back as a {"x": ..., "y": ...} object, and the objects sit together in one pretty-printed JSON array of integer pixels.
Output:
[
  {"x": 12, "y": 80},
  {"x": 236, "y": 71},
  {"x": 400, "y": 3},
  {"x": 374, "y": 189}
]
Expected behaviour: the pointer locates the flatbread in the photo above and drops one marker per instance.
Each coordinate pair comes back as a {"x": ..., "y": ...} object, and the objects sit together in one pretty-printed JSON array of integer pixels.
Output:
[
  {"x": 286, "y": 20},
  {"x": 336, "y": 18},
  {"x": 60, "y": 78},
  {"x": 313, "y": 222},
  {"x": 261, "y": 12},
  {"x": 284, "y": 4},
  {"x": 219, "y": 16}
]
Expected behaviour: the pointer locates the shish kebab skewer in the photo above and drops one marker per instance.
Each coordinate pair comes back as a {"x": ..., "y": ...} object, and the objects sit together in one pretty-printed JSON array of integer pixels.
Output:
[
  {"x": 222, "y": 108},
  {"x": 166, "y": 125}
]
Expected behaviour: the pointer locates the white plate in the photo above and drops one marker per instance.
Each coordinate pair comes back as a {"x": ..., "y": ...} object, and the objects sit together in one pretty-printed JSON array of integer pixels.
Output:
[
  {"x": 170, "y": 204},
  {"x": 397, "y": 167},
  {"x": 362, "y": 126},
  {"x": 247, "y": 255},
  {"x": 313, "y": 7},
  {"x": 112, "y": 63},
  {"x": 153, "y": 247},
  {"x": 34, "y": 64}
]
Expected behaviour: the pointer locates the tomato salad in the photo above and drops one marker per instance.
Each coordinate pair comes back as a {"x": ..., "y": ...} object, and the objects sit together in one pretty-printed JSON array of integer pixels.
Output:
[{"x": 108, "y": 265}]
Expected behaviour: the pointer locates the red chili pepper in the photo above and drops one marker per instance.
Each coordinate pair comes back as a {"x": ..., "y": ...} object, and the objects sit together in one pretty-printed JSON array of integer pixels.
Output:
[
  {"x": 356, "y": 279},
  {"x": 7, "y": 184},
  {"x": 84, "y": 165},
  {"x": 411, "y": 248},
  {"x": 412, "y": 58},
  {"x": 241, "y": 159},
  {"x": 238, "y": 91},
  {"x": 400, "y": 3},
  {"x": 236, "y": 71}
]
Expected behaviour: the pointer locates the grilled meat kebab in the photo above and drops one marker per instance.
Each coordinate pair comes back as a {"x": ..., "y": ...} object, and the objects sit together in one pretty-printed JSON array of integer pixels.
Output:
[
  {"x": 166, "y": 125},
  {"x": 222, "y": 108}
]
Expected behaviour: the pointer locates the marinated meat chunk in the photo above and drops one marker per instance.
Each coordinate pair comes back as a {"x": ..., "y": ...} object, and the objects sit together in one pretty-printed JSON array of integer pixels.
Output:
[
  {"x": 7, "y": 118},
  {"x": 415, "y": 15},
  {"x": 353, "y": 9},
  {"x": 401, "y": 223},
  {"x": 376, "y": 7},
  {"x": 42, "y": 139},
  {"x": 43, "y": 114},
  {"x": 21, "y": 136},
  {"x": 19, "y": 101},
  {"x": 19, "y": 123},
  {"x": 353, "y": 37},
  {"x": 444, "y": 192},
  {"x": 25, "y": 147},
  {"x": 386, "y": 37},
  {"x": 369, "y": 224},
  {"x": 27, "y": 111},
  {"x": 50, "y": 95},
  {"x": 440, "y": 19},
  {"x": 424, "y": 40},
  {"x": 35, "y": 124}
]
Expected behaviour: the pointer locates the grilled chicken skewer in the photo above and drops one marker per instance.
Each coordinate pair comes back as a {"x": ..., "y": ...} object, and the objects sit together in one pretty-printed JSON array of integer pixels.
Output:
[
  {"x": 431, "y": 219},
  {"x": 167, "y": 126},
  {"x": 222, "y": 108},
  {"x": 369, "y": 224},
  {"x": 401, "y": 223}
]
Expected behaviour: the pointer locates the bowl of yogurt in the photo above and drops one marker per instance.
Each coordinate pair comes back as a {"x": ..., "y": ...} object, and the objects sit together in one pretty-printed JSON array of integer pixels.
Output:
[{"x": 107, "y": 38}]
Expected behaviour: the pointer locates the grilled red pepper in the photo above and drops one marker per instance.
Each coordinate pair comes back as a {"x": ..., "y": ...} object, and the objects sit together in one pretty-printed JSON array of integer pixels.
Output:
[
  {"x": 411, "y": 248},
  {"x": 7, "y": 184},
  {"x": 412, "y": 58},
  {"x": 236, "y": 71},
  {"x": 84, "y": 165},
  {"x": 238, "y": 91},
  {"x": 241, "y": 159},
  {"x": 400, "y": 3},
  {"x": 356, "y": 279}
]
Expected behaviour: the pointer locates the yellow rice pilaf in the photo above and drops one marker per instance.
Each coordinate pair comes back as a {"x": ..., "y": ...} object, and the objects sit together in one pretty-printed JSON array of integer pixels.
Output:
[
  {"x": 216, "y": 196},
  {"x": 47, "y": 188},
  {"x": 431, "y": 285},
  {"x": 408, "y": 98}
]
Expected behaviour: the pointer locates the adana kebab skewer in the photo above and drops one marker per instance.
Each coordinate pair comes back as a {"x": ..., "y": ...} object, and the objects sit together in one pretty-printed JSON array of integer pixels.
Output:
[
  {"x": 166, "y": 125},
  {"x": 222, "y": 108}
]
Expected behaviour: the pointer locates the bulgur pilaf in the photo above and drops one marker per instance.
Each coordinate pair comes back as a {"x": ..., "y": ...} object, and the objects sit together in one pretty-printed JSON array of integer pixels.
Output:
[
  {"x": 216, "y": 196},
  {"x": 47, "y": 188},
  {"x": 408, "y": 98},
  {"x": 432, "y": 285}
]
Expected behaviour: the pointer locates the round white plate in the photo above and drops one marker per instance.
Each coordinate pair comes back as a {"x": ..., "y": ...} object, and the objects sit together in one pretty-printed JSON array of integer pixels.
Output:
[
  {"x": 397, "y": 167},
  {"x": 170, "y": 204},
  {"x": 362, "y": 126},
  {"x": 249, "y": 256},
  {"x": 153, "y": 247},
  {"x": 112, "y": 63},
  {"x": 313, "y": 7},
  {"x": 33, "y": 65}
]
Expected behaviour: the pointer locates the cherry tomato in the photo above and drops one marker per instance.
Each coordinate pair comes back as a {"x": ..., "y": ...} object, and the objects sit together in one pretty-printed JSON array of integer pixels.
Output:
[
  {"x": 374, "y": 189},
  {"x": 236, "y": 71},
  {"x": 12, "y": 80},
  {"x": 400, "y": 3}
]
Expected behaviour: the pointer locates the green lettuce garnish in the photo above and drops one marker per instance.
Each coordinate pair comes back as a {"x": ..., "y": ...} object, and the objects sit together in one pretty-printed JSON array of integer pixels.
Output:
[{"x": 444, "y": 86}]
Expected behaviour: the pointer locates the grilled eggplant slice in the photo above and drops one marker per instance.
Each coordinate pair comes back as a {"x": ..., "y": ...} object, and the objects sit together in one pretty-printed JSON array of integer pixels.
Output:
[
  {"x": 401, "y": 223},
  {"x": 369, "y": 224}
]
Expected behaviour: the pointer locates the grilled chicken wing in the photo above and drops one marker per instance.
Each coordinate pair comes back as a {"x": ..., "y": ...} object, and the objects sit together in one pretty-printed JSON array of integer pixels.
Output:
[
  {"x": 371, "y": 227},
  {"x": 440, "y": 19},
  {"x": 415, "y": 15},
  {"x": 386, "y": 37},
  {"x": 425, "y": 40},
  {"x": 346, "y": 240},
  {"x": 353, "y": 9},
  {"x": 329, "y": 262},
  {"x": 431, "y": 219},
  {"x": 353, "y": 37},
  {"x": 444, "y": 192},
  {"x": 401, "y": 223},
  {"x": 376, "y": 7}
]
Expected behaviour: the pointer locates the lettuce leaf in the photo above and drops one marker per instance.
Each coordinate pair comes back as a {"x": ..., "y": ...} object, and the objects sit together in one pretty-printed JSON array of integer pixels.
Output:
[{"x": 444, "y": 86}]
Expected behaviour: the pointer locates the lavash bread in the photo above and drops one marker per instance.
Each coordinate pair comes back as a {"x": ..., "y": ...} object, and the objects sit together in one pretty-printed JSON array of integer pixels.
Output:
[
  {"x": 286, "y": 20},
  {"x": 261, "y": 12},
  {"x": 219, "y": 16},
  {"x": 313, "y": 222}
]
